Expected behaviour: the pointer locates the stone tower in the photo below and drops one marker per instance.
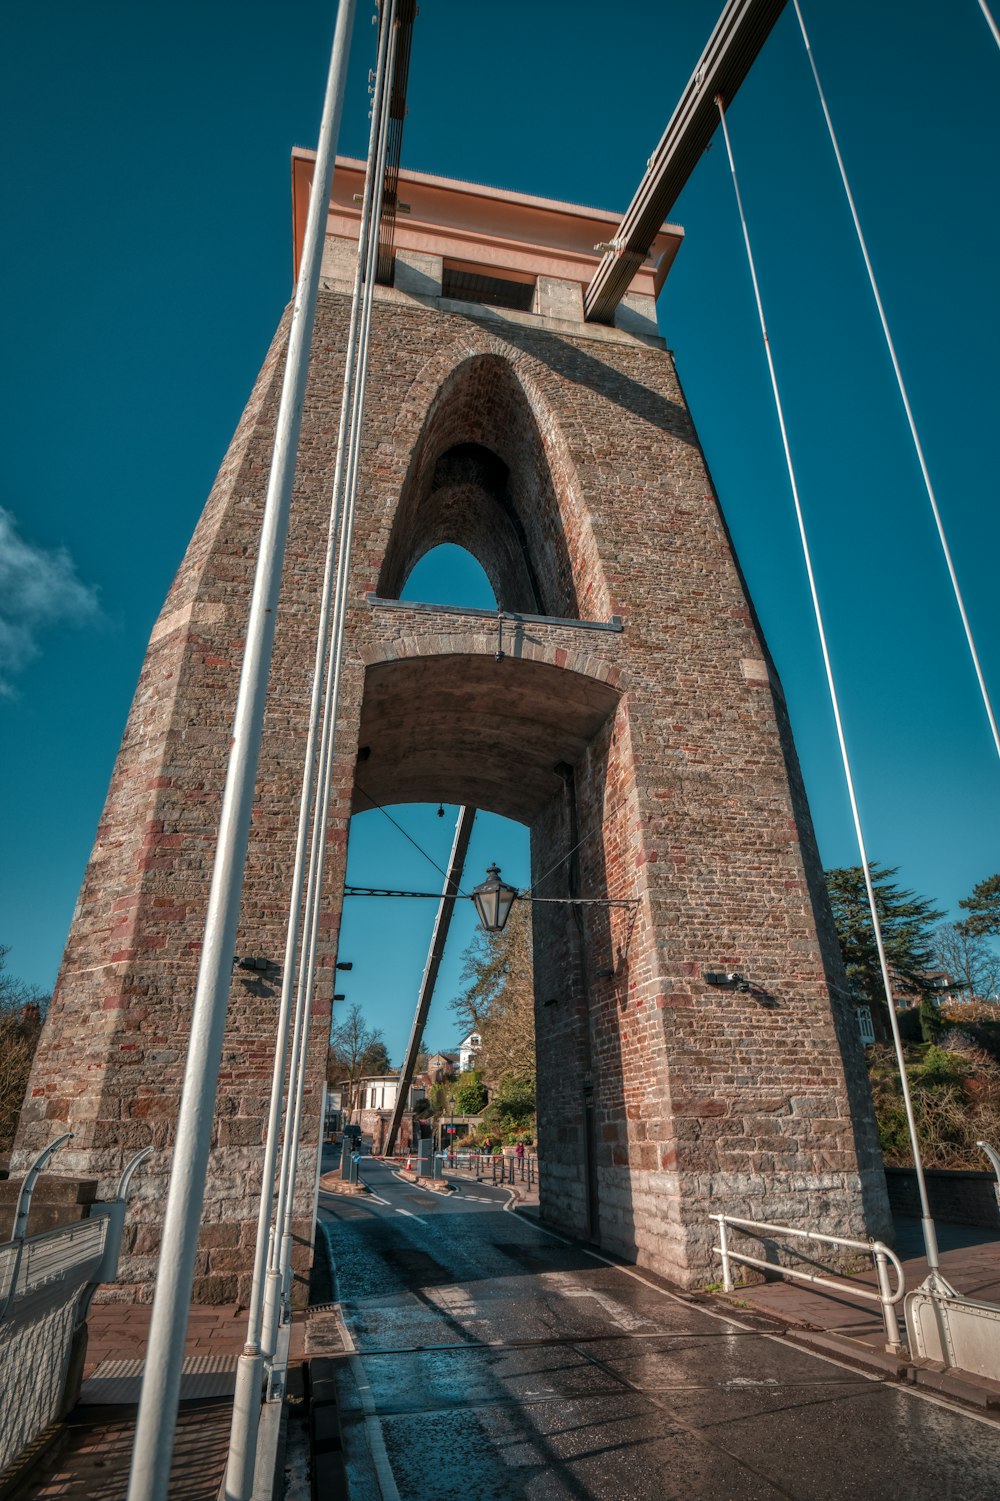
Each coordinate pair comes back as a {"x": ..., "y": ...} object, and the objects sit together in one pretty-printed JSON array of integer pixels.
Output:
[{"x": 634, "y": 723}]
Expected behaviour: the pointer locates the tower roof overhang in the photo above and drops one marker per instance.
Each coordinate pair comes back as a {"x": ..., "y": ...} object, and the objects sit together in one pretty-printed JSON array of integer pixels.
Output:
[{"x": 478, "y": 228}]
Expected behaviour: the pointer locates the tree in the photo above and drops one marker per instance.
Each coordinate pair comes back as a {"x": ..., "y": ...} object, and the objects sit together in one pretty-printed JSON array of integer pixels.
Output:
[
  {"x": 22, "y": 1008},
  {"x": 907, "y": 923},
  {"x": 983, "y": 907},
  {"x": 375, "y": 1058},
  {"x": 353, "y": 1047},
  {"x": 470, "y": 1093},
  {"x": 510, "y": 1115},
  {"x": 969, "y": 961},
  {"x": 498, "y": 998}
]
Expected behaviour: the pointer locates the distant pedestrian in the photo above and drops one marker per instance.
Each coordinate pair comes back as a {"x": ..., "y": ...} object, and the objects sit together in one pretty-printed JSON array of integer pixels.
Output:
[{"x": 519, "y": 1151}]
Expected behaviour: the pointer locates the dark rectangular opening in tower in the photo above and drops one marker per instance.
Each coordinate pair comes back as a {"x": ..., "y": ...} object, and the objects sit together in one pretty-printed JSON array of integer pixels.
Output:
[{"x": 494, "y": 291}]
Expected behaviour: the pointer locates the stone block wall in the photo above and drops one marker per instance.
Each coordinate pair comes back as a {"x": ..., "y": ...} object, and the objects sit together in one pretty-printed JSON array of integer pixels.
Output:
[{"x": 652, "y": 763}]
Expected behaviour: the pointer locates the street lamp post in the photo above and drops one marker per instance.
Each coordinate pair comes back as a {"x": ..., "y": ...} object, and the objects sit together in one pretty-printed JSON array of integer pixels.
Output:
[{"x": 451, "y": 1133}]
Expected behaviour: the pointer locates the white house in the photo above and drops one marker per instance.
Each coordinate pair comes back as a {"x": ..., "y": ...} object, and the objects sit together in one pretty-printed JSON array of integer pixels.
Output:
[
  {"x": 468, "y": 1048},
  {"x": 380, "y": 1092}
]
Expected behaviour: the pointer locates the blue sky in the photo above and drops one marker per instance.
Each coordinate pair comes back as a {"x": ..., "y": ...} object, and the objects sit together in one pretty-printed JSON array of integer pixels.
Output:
[{"x": 144, "y": 165}]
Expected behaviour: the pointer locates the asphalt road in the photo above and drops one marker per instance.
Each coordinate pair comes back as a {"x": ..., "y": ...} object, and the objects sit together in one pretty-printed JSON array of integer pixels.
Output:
[{"x": 493, "y": 1360}]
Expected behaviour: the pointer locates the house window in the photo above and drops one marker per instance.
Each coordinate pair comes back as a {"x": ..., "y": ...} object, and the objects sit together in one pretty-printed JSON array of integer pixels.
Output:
[{"x": 865, "y": 1027}]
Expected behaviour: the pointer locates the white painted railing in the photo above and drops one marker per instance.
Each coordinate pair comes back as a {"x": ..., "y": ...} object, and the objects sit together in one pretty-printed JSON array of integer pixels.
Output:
[
  {"x": 47, "y": 1282},
  {"x": 880, "y": 1253}
]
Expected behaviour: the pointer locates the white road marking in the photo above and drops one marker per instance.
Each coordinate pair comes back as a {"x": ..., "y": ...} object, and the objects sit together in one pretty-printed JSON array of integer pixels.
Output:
[{"x": 409, "y": 1215}]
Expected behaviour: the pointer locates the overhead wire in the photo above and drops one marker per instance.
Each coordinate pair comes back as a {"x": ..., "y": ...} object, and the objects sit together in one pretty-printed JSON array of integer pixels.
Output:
[{"x": 377, "y": 807}]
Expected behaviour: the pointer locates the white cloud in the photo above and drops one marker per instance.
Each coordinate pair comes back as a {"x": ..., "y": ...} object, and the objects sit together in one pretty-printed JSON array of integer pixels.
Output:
[{"x": 38, "y": 588}]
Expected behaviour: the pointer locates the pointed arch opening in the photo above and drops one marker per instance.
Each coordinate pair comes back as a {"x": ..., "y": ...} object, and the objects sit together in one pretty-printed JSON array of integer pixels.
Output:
[
  {"x": 449, "y": 575},
  {"x": 480, "y": 478}
]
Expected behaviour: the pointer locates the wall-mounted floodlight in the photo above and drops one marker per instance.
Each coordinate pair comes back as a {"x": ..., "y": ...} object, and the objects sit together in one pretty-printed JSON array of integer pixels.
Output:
[
  {"x": 494, "y": 899},
  {"x": 346, "y": 964},
  {"x": 255, "y": 962},
  {"x": 727, "y": 980},
  {"x": 339, "y": 995}
]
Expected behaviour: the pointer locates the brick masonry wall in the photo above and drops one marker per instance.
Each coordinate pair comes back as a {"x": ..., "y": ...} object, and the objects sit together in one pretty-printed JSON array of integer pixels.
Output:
[{"x": 663, "y": 752}]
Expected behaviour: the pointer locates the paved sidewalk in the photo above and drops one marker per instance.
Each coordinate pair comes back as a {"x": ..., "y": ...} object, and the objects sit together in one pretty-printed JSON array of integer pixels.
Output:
[
  {"x": 970, "y": 1261},
  {"x": 91, "y": 1463},
  {"x": 119, "y": 1331},
  {"x": 521, "y": 1190}
]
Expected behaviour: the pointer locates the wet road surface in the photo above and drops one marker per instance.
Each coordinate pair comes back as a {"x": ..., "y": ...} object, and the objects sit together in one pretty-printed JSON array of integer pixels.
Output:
[{"x": 493, "y": 1360}]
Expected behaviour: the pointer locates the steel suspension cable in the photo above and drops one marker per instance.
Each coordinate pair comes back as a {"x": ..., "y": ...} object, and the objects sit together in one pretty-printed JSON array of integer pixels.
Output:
[
  {"x": 239, "y": 1479},
  {"x": 990, "y": 21},
  {"x": 280, "y": 1262},
  {"x": 149, "y": 1477},
  {"x": 897, "y": 369},
  {"x": 930, "y": 1238}
]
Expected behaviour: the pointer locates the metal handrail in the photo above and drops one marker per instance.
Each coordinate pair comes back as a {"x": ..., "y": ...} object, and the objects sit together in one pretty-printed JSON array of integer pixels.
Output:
[
  {"x": 993, "y": 1155},
  {"x": 28, "y": 1186},
  {"x": 880, "y": 1253},
  {"x": 121, "y": 1192}
]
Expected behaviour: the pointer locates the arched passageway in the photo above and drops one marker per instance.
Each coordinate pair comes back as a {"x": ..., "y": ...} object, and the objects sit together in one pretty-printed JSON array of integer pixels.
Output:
[{"x": 466, "y": 728}]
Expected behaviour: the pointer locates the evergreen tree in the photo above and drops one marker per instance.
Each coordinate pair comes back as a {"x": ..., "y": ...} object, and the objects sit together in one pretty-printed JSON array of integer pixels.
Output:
[
  {"x": 983, "y": 907},
  {"x": 469, "y": 1093},
  {"x": 907, "y": 922}
]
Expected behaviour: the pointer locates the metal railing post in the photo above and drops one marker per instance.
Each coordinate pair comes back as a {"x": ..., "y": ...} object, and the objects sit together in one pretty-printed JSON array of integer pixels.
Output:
[
  {"x": 727, "y": 1276},
  {"x": 892, "y": 1340}
]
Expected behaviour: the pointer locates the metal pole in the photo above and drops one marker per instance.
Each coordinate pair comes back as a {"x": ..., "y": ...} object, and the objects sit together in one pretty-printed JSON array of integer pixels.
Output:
[
  {"x": 239, "y": 1477},
  {"x": 157, "y": 1416},
  {"x": 23, "y": 1208},
  {"x": 435, "y": 953},
  {"x": 280, "y": 1269},
  {"x": 266, "y": 1291},
  {"x": 903, "y": 394}
]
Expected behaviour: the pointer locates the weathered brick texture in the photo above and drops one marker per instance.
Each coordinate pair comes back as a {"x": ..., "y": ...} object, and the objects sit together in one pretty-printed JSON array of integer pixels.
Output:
[{"x": 653, "y": 763}]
